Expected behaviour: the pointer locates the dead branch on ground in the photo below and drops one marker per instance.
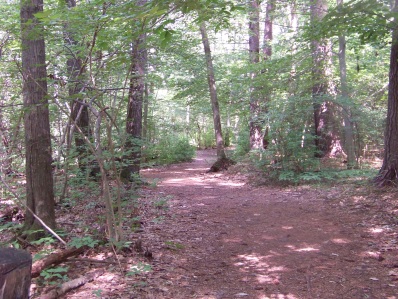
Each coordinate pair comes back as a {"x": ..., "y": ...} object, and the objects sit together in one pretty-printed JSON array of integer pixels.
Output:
[
  {"x": 72, "y": 284},
  {"x": 55, "y": 259}
]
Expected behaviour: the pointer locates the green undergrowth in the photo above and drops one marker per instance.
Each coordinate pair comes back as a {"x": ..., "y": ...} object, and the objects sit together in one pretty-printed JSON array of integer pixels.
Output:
[
  {"x": 169, "y": 150},
  {"x": 355, "y": 176},
  {"x": 309, "y": 171}
]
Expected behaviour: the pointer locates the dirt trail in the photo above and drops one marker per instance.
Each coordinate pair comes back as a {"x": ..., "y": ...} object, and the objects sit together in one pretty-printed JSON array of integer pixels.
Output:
[
  {"x": 214, "y": 237},
  {"x": 229, "y": 240}
]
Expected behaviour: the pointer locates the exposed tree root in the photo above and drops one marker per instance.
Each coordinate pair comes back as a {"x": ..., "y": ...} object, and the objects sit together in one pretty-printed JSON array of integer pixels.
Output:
[
  {"x": 55, "y": 259},
  {"x": 386, "y": 178},
  {"x": 221, "y": 164},
  {"x": 72, "y": 284}
]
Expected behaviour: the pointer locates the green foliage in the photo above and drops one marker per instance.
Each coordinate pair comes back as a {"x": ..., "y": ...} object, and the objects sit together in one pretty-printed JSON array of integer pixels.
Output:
[
  {"x": 83, "y": 241},
  {"x": 206, "y": 139},
  {"x": 97, "y": 293},
  {"x": 54, "y": 273},
  {"x": 327, "y": 176},
  {"x": 292, "y": 144},
  {"x": 44, "y": 241},
  {"x": 368, "y": 18},
  {"x": 242, "y": 146},
  {"x": 170, "y": 150},
  {"x": 174, "y": 245},
  {"x": 9, "y": 226},
  {"x": 121, "y": 244},
  {"x": 162, "y": 203}
]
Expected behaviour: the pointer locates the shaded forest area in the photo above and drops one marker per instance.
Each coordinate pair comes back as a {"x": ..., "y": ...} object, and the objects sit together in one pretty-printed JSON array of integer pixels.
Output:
[{"x": 97, "y": 97}]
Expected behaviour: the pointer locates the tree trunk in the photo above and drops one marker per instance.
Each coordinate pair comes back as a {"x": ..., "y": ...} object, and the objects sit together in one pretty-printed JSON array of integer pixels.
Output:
[
  {"x": 145, "y": 114},
  {"x": 39, "y": 180},
  {"x": 213, "y": 94},
  {"x": 294, "y": 27},
  {"x": 268, "y": 33},
  {"x": 325, "y": 129},
  {"x": 267, "y": 52},
  {"x": 79, "y": 113},
  {"x": 388, "y": 173},
  {"x": 134, "y": 109},
  {"x": 256, "y": 135},
  {"x": 348, "y": 124}
]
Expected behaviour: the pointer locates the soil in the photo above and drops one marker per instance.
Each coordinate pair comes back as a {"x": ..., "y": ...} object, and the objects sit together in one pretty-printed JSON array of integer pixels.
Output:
[{"x": 215, "y": 235}]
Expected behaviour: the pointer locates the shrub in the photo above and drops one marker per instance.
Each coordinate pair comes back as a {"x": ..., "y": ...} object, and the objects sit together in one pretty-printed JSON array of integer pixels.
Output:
[{"x": 168, "y": 150}]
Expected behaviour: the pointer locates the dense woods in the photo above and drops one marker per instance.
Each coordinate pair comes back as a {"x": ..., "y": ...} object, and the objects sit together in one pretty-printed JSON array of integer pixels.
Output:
[{"x": 92, "y": 92}]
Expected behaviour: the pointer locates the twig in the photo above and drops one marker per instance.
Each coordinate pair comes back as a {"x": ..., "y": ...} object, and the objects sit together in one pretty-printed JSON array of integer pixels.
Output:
[
  {"x": 72, "y": 284},
  {"x": 92, "y": 261},
  {"x": 30, "y": 210}
]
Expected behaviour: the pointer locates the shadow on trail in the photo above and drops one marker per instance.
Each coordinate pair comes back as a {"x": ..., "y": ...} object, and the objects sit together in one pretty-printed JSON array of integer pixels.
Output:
[{"x": 243, "y": 242}]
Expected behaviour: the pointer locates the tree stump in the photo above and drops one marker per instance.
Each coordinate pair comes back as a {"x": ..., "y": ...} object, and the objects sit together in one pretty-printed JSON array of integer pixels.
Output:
[{"x": 15, "y": 267}]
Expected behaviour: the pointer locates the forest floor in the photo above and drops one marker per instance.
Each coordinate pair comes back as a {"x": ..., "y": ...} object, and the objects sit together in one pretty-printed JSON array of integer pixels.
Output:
[{"x": 215, "y": 235}]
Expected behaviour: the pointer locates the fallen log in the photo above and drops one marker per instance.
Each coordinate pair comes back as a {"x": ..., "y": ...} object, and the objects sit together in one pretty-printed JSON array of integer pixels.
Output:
[
  {"x": 72, "y": 284},
  {"x": 55, "y": 259}
]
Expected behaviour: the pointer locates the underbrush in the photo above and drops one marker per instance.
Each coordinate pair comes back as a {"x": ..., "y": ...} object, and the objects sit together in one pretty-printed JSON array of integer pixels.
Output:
[
  {"x": 169, "y": 150},
  {"x": 263, "y": 170}
]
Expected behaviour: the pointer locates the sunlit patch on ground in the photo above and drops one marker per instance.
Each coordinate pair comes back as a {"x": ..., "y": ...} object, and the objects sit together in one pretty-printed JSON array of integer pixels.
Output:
[
  {"x": 279, "y": 296},
  {"x": 376, "y": 230},
  {"x": 307, "y": 249},
  {"x": 340, "y": 241}
]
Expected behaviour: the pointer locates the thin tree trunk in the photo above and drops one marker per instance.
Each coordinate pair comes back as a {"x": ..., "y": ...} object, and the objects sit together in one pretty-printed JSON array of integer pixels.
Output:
[
  {"x": 388, "y": 173},
  {"x": 256, "y": 135},
  {"x": 267, "y": 52},
  {"x": 326, "y": 139},
  {"x": 294, "y": 28},
  {"x": 268, "y": 32},
  {"x": 39, "y": 180},
  {"x": 348, "y": 124},
  {"x": 79, "y": 112},
  {"x": 213, "y": 94}
]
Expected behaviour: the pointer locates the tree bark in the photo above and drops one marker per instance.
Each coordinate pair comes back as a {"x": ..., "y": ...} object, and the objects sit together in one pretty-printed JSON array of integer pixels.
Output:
[
  {"x": 325, "y": 130},
  {"x": 39, "y": 180},
  {"x": 388, "y": 173},
  {"x": 256, "y": 134},
  {"x": 15, "y": 267},
  {"x": 145, "y": 114},
  {"x": 348, "y": 124},
  {"x": 268, "y": 32},
  {"x": 134, "y": 109},
  {"x": 55, "y": 259},
  {"x": 213, "y": 94},
  {"x": 267, "y": 52}
]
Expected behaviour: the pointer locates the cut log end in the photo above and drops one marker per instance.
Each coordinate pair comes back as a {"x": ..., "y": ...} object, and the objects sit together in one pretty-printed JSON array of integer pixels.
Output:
[{"x": 15, "y": 277}]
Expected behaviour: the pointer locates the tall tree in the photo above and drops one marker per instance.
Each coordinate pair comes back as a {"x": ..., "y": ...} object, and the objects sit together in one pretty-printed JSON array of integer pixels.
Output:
[
  {"x": 348, "y": 124},
  {"x": 79, "y": 111},
  {"x": 39, "y": 180},
  {"x": 256, "y": 135},
  {"x": 325, "y": 129},
  {"x": 267, "y": 53},
  {"x": 388, "y": 173},
  {"x": 213, "y": 94},
  {"x": 268, "y": 32},
  {"x": 134, "y": 110}
]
